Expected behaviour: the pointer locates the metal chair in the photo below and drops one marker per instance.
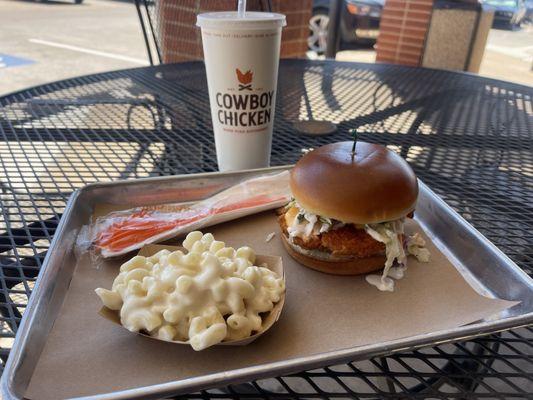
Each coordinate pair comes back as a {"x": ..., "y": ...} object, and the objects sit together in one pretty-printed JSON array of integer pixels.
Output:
[{"x": 155, "y": 18}]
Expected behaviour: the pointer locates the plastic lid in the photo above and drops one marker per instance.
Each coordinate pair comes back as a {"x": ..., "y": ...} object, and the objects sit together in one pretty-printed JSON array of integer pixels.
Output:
[{"x": 231, "y": 20}]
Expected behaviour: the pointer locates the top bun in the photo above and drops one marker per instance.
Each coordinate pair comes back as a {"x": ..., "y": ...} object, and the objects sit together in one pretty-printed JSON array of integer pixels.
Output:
[{"x": 375, "y": 185}]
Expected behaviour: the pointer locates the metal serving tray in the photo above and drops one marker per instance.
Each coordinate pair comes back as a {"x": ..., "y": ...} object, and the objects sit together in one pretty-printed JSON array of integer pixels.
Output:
[{"x": 490, "y": 271}]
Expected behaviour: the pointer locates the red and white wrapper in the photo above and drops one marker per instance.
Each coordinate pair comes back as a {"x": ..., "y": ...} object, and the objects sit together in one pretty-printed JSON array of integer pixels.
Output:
[{"x": 121, "y": 232}]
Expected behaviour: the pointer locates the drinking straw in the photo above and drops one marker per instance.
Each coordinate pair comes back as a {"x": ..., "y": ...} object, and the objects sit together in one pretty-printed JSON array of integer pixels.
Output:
[{"x": 241, "y": 8}]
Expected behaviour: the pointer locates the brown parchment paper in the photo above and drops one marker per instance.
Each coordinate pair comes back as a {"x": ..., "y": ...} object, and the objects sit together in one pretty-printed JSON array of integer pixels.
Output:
[{"x": 86, "y": 354}]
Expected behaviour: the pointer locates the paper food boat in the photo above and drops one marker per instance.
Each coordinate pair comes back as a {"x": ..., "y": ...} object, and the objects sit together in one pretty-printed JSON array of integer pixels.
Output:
[{"x": 274, "y": 263}]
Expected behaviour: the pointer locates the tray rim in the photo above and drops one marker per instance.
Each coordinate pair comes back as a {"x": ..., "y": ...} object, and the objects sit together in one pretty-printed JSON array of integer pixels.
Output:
[{"x": 258, "y": 371}]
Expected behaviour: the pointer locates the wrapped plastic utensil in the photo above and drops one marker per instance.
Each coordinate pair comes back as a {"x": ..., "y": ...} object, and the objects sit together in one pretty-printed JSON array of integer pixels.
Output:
[{"x": 121, "y": 232}]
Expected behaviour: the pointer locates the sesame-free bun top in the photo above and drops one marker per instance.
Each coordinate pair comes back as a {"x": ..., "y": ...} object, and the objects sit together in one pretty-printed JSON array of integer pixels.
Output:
[{"x": 374, "y": 185}]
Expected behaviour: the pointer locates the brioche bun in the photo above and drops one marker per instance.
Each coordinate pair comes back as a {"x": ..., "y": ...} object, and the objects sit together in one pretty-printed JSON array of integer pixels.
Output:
[{"x": 374, "y": 185}]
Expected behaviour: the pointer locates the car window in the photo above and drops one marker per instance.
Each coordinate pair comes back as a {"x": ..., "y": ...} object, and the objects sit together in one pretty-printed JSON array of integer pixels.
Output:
[{"x": 501, "y": 3}]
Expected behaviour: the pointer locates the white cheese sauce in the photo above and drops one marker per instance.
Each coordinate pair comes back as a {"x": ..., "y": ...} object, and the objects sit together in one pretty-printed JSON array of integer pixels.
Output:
[{"x": 210, "y": 294}]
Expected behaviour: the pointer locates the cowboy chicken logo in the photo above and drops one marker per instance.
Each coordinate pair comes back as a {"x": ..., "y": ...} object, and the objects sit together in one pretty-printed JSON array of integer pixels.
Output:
[
  {"x": 245, "y": 108},
  {"x": 245, "y": 79}
]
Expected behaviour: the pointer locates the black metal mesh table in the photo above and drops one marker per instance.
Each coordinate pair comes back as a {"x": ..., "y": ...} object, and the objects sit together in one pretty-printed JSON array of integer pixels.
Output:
[{"x": 470, "y": 139}]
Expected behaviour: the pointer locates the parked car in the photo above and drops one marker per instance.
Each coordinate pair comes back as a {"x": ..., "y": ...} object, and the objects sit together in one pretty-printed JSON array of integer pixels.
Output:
[
  {"x": 359, "y": 23},
  {"x": 508, "y": 13},
  {"x": 529, "y": 11},
  {"x": 46, "y": 1}
]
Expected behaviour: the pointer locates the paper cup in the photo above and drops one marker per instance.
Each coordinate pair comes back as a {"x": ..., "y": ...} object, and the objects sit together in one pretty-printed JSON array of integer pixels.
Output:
[{"x": 241, "y": 59}]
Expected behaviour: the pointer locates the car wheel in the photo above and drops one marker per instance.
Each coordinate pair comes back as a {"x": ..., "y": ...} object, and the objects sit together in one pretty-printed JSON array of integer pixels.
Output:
[{"x": 318, "y": 31}]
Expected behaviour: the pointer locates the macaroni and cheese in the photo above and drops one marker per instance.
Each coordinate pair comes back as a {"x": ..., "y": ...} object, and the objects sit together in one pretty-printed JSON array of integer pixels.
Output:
[{"x": 210, "y": 294}]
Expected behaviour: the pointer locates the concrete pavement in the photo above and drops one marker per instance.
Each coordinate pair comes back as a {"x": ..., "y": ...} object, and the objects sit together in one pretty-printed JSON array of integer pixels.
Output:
[
  {"x": 509, "y": 55},
  {"x": 64, "y": 40},
  {"x": 44, "y": 42}
]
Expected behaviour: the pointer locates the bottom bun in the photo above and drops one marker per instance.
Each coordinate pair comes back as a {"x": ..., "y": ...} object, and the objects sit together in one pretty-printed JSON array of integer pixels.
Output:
[{"x": 354, "y": 266}]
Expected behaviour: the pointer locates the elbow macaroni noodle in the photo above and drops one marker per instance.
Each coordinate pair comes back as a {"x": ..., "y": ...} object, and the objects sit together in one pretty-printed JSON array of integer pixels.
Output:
[{"x": 211, "y": 294}]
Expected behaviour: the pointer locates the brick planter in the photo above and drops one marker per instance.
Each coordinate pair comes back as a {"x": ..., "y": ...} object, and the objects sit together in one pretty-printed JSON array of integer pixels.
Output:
[
  {"x": 403, "y": 29},
  {"x": 180, "y": 40}
]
